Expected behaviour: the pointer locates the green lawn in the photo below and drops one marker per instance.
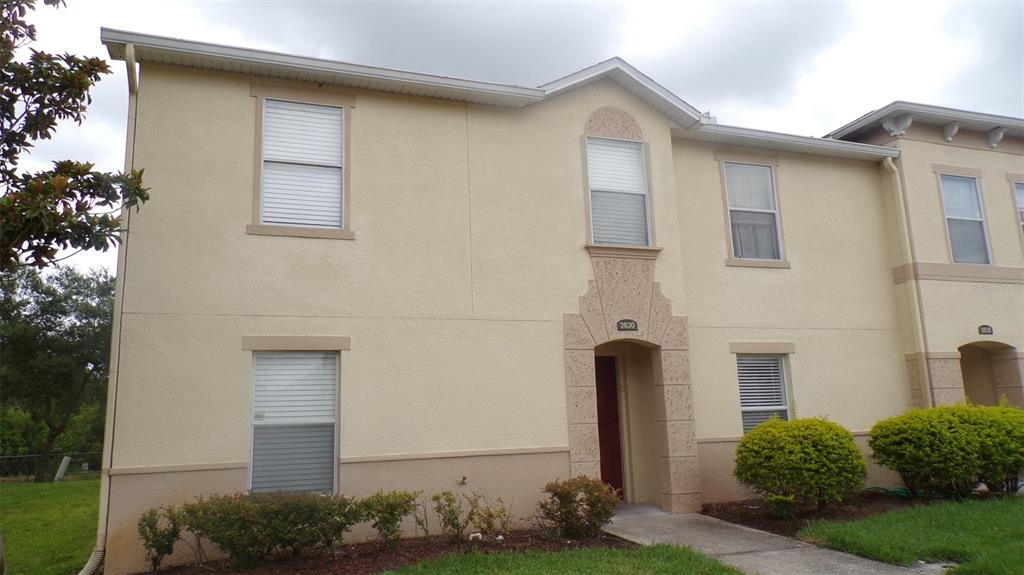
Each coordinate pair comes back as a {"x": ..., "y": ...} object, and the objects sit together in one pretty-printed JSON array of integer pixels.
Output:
[
  {"x": 49, "y": 528},
  {"x": 986, "y": 537},
  {"x": 646, "y": 560}
]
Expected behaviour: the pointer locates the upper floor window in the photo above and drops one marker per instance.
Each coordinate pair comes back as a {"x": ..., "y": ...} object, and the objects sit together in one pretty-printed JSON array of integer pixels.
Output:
[
  {"x": 762, "y": 389},
  {"x": 1018, "y": 194},
  {"x": 617, "y": 176},
  {"x": 302, "y": 183},
  {"x": 753, "y": 211},
  {"x": 964, "y": 219}
]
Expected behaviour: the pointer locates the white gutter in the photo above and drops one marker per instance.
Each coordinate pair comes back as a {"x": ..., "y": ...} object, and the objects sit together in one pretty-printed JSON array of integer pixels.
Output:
[{"x": 719, "y": 133}]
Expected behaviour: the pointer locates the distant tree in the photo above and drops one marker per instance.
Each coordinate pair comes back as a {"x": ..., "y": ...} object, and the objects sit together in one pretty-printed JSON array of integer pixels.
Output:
[
  {"x": 70, "y": 205},
  {"x": 54, "y": 349}
]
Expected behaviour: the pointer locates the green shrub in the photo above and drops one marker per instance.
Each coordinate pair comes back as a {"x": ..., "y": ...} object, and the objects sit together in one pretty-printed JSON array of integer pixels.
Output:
[
  {"x": 491, "y": 520},
  {"x": 386, "y": 510},
  {"x": 159, "y": 529},
  {"x": 450, "y": 514},
  {"x": 577, "y": 508},
  {"x": 234, "y": 523},
  {"x": 800, "y": 461},
  {"x": 339, "y": 515},
  {"x": 947, "y": 450}
]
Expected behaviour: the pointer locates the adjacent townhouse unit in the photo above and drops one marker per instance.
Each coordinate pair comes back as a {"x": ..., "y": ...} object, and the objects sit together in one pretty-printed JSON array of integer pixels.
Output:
[{"x": 352, "y": 278}]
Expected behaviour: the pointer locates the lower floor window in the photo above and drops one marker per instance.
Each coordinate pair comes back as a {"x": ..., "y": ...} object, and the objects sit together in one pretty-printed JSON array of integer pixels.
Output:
[
  {"x": 294, "y": 421},
  {"x": 762, "y": 389}
]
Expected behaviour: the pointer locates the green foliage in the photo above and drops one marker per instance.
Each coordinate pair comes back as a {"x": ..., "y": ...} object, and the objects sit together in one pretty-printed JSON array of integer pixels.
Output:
[
  {"x": 947, "y": 450},
  {"x": 577, "y": 508},
  {"x": 159, "y": 530},
  {"x": 491, "y": 520},
  {"x": 54, "y": 361},
  {"x": 449, "y": 511},
  {"x": 232, "y": 522},
  {"x": 984, "y": 537},
  {"x": 339, "y": 514},
  {"x": 798, "y": 461},
  {"x": 386, "y": 510},
  {"x": 44, "y": 212}
]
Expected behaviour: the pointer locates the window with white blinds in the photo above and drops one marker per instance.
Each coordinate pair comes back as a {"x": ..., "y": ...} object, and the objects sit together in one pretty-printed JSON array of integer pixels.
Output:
[
  {"x": 617, "y": 175},
  {"x": 762, "y": 389},
  {"x": 303, "y": 163},
  {"x": 964, "y": 220},
  {"x": 753, "y": 213},
  {"x": 294, "y": 420}
]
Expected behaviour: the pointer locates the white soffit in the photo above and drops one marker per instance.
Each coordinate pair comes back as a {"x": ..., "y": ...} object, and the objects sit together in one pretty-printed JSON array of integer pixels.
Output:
[
  {"x": 736, "y": 136},
  {"x": 930, "y": 115}
]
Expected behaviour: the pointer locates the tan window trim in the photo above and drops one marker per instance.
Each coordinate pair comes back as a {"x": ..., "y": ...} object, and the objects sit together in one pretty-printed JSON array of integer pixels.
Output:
[
  {"x": 945, "y": 170},
  {"x": 296, "y": 343},
  {"x": 649, "y": 192},
  {"x": 724, "y": 157},
  {"x": 762, "y": 347},
  {"x": 1015, "y": 179},
  {"x": 623, "y": 251},
  {"x": 303, "y": 96}
]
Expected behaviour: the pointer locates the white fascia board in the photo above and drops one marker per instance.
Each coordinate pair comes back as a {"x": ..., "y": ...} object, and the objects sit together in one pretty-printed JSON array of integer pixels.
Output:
[
  {"x": 734, "y": 135},
  {"x": 929, "y": 114},
  {"x": 203, "y": 53},
  {"x": 633, "y": 80}
]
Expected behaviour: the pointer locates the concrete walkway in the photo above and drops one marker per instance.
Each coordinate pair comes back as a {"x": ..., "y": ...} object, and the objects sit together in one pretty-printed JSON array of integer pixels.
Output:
[{"x": 752, "y": 551}]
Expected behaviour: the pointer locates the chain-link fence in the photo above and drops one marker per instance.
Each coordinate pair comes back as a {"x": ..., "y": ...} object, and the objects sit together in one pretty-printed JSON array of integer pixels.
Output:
[{"x": 28, "y": 467}]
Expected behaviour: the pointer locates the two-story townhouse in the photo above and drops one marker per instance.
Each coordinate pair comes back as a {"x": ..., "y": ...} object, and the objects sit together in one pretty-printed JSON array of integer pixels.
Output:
[{"x": 350, "y": 278}]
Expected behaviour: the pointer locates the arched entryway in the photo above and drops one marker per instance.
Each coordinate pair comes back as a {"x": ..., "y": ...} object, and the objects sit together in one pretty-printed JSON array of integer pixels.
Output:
[
  {"x": 624, "y": 315},
  {"x": 991, "y": 371}
]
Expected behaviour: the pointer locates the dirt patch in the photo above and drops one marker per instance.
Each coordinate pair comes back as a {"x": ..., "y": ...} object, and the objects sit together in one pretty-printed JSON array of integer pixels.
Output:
[
  {"x": 755, "y": 513},
  {"x": 372, "y": 558}
]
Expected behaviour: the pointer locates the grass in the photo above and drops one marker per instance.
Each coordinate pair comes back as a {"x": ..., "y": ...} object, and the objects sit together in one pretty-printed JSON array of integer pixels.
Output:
[
  {"x": 985, "y": 537},
  {"x": 646, "y": 560},
  {"x": 49, "y": 528}
]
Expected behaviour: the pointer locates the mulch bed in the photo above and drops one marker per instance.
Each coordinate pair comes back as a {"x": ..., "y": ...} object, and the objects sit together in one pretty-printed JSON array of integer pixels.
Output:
[
  {"x": 370, "y": 557},
  {"x": 757, "y": 514}
]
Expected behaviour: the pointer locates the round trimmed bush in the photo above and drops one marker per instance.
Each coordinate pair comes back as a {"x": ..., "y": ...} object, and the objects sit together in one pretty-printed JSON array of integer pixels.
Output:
[
  {"x": 800, "y": 461},
  {"x": 947, "y": 450}
]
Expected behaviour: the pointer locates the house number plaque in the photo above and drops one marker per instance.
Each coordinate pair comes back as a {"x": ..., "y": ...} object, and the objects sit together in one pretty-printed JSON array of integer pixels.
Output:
[{"x": 626, "y": 325}]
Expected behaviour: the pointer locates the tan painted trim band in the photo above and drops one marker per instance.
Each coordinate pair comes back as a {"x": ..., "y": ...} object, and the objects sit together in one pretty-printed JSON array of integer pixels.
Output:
[
  {"x": 144, "y": 470},
  {"x": 452, "y": 454},
  {"x": 296, "y": 343},
  {"x": 754, "y": 158},
  {"x": 958, "y": 272},
  {"x": 780, "y": 347},
  {"x": 299, "y": 232},
  {"x": 752, "y": 263},
  {"x": 1008, "y": 354},
  {"x": 622, "y": 251},
  {"x": 737, "y": 438},
  {"x": 943, "y": 169},
  {"x": 933, "y": 355},
  {"x": 1012, "y": 177}
]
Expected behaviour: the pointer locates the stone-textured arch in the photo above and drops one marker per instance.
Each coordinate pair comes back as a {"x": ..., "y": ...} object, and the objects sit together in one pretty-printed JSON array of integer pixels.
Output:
[
  {"x": 612, "y": 122},
  {"x": 624, "y": 288}
]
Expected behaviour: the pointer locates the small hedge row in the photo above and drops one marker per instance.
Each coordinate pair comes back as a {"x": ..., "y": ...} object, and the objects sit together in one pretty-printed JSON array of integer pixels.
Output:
[
  {"x": 800, "y": 461},
  {"x": 948, "y": 450},
  {"x": 255, "y": 527}
]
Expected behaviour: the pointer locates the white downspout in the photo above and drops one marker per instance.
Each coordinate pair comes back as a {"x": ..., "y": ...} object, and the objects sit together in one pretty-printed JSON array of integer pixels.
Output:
[
  {"x": 92, "y": 566},
  {"x": 909, "y": 257}
]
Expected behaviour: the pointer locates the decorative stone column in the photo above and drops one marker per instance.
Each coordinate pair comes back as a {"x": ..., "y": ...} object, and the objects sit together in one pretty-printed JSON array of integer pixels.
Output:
[
  {"x": 1008, "y": 376},
  {"x": 680, "y": 473},
  {"x": 947, "y": 381}
]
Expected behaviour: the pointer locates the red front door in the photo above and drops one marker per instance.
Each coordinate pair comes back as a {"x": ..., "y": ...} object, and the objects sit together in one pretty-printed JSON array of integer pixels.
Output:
[{"x": 608, "y": 422}]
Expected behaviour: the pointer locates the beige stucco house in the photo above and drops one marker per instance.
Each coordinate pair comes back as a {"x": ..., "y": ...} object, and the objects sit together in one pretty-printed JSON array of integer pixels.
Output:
[{"x": 350, "y": 278}]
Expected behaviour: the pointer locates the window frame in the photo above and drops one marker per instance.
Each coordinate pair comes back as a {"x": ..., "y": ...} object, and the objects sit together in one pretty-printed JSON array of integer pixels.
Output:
[
  {"x": 648, "y": 196},
  {"x": 787, "y": 395},
  {"x": 1017, "y": 180},
  {"x": 280, "y": 344},
  {"x": 772, "y": 163},
  {"x": 321, "y": 97},
  {"x": 972, "y": 174}
]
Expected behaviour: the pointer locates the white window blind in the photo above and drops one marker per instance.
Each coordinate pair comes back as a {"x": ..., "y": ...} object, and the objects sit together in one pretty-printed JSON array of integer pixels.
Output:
[
  {"x": 762, "y": 389},
  {"x": 294, "y": 420},
  {"x": 303, "y": 163},
  {"x": 1018, "y": 193},
  {"x": 964, "y": 219},
  {"x": 753, "y": 214},
  {"x": 617, "y": 175}
]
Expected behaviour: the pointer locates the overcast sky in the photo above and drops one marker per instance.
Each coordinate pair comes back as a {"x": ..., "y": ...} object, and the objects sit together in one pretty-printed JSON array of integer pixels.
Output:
[{"x": 798, "y": 67}]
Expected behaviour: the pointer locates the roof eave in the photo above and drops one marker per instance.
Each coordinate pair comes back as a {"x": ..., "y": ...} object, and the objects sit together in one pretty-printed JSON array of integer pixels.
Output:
[{"x": 734, "y": 135}]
